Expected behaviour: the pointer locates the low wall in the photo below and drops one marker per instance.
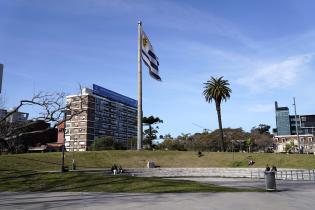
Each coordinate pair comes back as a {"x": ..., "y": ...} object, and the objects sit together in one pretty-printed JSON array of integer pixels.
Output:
[{"x": 253, "y": 173}]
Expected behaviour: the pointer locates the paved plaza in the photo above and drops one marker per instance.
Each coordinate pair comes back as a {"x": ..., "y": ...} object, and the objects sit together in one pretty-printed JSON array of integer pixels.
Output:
[{"x": 291, "y": 195}]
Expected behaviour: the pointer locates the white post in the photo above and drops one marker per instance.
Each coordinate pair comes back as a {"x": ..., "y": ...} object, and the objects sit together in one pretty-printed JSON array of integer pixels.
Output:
[
  {"x": 139, "y": 127},
  {"x": 296, "y": 125}
]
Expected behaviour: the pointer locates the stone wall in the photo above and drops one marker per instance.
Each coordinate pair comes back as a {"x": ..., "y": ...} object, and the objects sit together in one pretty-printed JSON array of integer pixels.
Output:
[{"x": 253, "y": 173}]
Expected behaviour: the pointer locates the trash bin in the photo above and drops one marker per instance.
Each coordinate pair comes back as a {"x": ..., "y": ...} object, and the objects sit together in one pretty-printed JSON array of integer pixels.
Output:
[
  {"x": 151, "y": 164},
  {"x": 270, "y": 180},
  {"x": 65, "y": 169}
]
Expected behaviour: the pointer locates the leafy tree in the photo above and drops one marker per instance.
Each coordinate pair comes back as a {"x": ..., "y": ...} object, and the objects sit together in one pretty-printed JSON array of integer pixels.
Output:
[
  {"x": 261, "y": 138},
  {"x": 106, "y": 143},
  {"x": 132, "y": 143},
  {"x": 170, "y": 143},
  {"x": 235, "y": 140},
  {"x": 263, "y": 142},
  {"x": 217, "y": 90},
  {"x": 249, "y": 144},
  {"x": 151, "y": 132},
  {"x": 289, "y": 147},
  {"x": 262, "y": 129}
]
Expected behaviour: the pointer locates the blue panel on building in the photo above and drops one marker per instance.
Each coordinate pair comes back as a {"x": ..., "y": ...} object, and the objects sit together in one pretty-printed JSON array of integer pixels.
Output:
[{"x": 98, "y": 90}]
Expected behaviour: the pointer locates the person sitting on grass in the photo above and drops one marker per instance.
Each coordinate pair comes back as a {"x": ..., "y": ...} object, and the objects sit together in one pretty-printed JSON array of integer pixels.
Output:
[
  {"x": 114, "y": 169},
  {"x": 250, "y": 162},
  {"x": 120, "y": 170},
  {"x": 200, "y": 154}
]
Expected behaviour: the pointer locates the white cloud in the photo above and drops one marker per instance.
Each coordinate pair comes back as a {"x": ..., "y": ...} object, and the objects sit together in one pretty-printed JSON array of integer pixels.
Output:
[
  {"x": 261, "y": 108},
  {"x": 277, "y": 75}
]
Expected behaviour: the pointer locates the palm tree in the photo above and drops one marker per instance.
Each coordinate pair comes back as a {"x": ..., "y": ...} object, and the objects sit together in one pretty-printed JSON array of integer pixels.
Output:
[{"x": 217, "y": 90}]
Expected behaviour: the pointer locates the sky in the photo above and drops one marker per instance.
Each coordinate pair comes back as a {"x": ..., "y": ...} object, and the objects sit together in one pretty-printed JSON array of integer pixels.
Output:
[{"x": 265, "y": 49}]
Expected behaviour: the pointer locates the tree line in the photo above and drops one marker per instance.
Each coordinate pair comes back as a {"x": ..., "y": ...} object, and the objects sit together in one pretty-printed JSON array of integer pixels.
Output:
[{"x": 234, "y": 139}]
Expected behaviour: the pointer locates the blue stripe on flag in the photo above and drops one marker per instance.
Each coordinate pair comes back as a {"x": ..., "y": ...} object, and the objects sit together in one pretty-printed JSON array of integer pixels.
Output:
[
  {"x": 155, "y": 76},
  {"x": 152, "y": 74},
  {"x": 146, "y": 64},
  {"x": 154, "y": 66},
  {"x": 145, "y": 55},
  {"x": 152, "y": 54}
]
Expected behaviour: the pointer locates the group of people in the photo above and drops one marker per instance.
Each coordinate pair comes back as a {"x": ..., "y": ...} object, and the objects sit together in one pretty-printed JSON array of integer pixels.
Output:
[
  {"x": 272, "y": 169},
  {"x": 117, "y": 169}
]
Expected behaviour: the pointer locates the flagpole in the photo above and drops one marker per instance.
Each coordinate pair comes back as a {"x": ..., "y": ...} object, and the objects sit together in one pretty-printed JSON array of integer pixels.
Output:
[{"x": 139, "y": 126}]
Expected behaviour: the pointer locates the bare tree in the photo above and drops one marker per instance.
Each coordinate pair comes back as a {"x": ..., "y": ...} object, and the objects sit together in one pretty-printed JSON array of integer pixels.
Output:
[{"x": 52, "y": 108}]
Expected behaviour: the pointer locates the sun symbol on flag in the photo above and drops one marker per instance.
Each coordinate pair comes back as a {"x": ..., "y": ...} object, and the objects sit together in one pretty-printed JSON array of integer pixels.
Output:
[{"x": 145, "y": 41}]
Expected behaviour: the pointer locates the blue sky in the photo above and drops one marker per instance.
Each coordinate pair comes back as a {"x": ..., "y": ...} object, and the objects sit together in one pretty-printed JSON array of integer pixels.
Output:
[{"x": 266, "y": 49}]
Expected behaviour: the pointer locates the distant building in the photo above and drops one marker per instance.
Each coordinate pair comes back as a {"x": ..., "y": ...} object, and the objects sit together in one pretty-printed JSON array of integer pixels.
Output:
[
  {"x": 286, "y": 124},
  {"x": 285, "y": 133},
  {"x": 35, "y": 133},
  {"x": 14, "y": 117},
  {"x": 17, "y": 117},
  {"x": 282, "y": 120},
  {"x": 306, "y": 143},
  {"x": 61, "y": 133},
  {"x": 106, "y": 113},
  {"x": 3, "y": 113}
]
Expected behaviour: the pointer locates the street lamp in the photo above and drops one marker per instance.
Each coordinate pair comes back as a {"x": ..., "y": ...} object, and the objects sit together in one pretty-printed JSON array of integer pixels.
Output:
[
  {"x": 63, "y": 169},
  {"x": 296, "y": 126},
  {"x": 233, "y": 148}
]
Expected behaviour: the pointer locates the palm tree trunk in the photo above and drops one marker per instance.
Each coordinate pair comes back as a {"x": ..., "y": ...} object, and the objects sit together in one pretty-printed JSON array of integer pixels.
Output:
[{"x": 218, "y": 107}]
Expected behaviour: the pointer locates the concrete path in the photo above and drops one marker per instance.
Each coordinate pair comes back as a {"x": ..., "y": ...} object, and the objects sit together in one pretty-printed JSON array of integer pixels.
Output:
[
  {"x": 179, "y": 201},
  {"x": 292, "y": 195},
  {"x": 282, "y": 185}
]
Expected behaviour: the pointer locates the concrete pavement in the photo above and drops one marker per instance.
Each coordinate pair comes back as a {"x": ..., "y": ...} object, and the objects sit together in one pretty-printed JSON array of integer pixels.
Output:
[
  {"x": 282, "y": 185},
  {"x": 292, "y": 195},
  {"x": 286, "y": 200}
]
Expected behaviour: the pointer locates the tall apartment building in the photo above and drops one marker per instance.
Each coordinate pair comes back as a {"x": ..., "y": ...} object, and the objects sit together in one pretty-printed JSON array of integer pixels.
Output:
[
  {"x": 286, "y": 124},
  {"x": 104, "y": 113},
  {"x": 282, "y": 120}
]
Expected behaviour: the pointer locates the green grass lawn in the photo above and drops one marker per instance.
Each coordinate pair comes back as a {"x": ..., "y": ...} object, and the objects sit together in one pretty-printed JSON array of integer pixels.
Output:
[
  {"x": 28, "y": 181},
  {"x": 138, "y": 159}
]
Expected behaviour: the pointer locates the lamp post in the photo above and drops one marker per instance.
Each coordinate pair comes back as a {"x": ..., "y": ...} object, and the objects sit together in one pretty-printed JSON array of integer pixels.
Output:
[
  {"x": 63, "y": 158},
  {"x": 233, "y": 148},
  {"x": 296, "y": 126},
  {"x": 64, "y": 140}
]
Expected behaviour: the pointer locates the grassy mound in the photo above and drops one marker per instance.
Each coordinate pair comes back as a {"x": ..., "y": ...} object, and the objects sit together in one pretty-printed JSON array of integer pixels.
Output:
[
  {"x": 135, "y": 159},
  {"x": 28, "y": 181}
]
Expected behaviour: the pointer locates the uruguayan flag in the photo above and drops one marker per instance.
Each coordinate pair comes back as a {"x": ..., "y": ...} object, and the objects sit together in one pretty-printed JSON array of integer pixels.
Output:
[{"x": 149, "y": 57}]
